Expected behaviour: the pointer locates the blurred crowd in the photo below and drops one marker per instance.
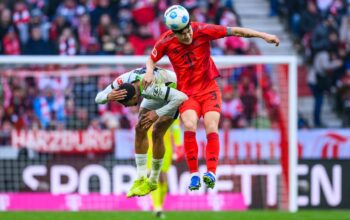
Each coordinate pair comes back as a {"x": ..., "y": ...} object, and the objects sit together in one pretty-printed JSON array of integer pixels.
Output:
[
  {"x": 321, "y": 30},
  {"x": 92, "y": 27},
  {"x": 71, "y": 27}
]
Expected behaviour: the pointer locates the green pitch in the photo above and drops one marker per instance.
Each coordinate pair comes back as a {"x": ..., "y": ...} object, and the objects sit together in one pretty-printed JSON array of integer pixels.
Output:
[{"x": 249, "y": 215}]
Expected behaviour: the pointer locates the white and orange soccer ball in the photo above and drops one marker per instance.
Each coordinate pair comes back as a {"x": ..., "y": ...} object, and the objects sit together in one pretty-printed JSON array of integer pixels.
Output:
[{"x": 176, "y": 17}]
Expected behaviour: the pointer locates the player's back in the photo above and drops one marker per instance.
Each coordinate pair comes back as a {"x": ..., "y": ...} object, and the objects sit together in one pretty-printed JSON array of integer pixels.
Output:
[{"x": 161, "y": 76}]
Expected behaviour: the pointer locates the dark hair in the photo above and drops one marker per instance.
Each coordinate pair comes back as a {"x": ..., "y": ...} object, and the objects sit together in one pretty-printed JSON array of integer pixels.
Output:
[
  {"x": 180, "y": 31},
  {"x": 130, "y": 89}
]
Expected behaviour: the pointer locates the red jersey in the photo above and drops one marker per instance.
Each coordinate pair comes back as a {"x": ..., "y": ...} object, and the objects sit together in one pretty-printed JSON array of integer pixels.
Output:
[{"x": 194, "y": 68}]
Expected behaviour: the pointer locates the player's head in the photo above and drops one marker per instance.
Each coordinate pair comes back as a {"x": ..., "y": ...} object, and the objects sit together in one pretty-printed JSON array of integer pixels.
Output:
[
  {"x": 177, "y": 19},
  {"x": 131, "y": 97}
]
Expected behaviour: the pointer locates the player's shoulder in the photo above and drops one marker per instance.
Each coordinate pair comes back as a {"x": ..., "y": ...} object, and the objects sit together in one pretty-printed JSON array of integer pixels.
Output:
[{"x": 166, "y": 37}]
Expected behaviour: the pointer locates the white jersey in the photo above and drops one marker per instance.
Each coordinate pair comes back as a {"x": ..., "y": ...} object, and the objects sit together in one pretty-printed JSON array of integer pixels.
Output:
[
  {"x": 162, "y": 91},
  {"x": 162, "y": 76}
]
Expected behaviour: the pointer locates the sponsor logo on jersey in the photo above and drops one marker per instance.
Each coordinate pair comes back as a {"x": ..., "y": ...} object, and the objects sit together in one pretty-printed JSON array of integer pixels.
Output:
[
  {"x": 157, "y": 91},
  {"x": 119, "y": 81},
  {"x": 154, "y": 52}
]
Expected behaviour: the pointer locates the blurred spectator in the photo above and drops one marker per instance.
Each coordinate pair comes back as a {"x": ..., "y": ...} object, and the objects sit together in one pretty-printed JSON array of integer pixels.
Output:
[
  {"x": 68, "y": 10},
  {"x": 39, "y": 20},
  {"x": 84, "y": 92},
  {"x": 141, "y": 40},
  {"x": 68, "y": 45},
  {"x": 319, "y": 79},
  {"x": 85, "y": 36},
  {"x": 345, "y": 30},
  {"x": 21, "y": 19},
  {"x": 10, "y": 43},
  {"x": 57, "y": 27},
  {"x": 232, "y": 107},
  {"x": 36, "y": 44},
  {"x": 248, "y": 97},
  {"x": 343, "y": 101},
  {"x": 5, "y": 133},
  {"x": 309, "y": 19},
  {"x": 103, "y": 8},
  {"x": 5, "y": 22},
  {"x": 48, "y": 108}
]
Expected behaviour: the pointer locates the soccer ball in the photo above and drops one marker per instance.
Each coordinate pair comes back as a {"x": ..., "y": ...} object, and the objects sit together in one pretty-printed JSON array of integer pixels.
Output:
[{"x": 176, "y": 17}]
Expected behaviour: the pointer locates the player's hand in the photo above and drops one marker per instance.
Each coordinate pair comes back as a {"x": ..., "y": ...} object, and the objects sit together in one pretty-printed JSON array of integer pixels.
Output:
[
  {"x": 117, "y": 95},
  {"x": 272, "y": 39},
  {"x": 147, "y": 80},
  {"x": 148, "y": 118}
]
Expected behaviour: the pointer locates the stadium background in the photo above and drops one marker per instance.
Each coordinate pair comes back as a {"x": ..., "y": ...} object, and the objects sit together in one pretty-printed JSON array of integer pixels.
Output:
[{"x": 58, "y": 102}]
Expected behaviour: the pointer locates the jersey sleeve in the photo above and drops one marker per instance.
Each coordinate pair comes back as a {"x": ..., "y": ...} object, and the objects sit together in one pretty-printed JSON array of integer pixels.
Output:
[
  {"x": 101, "y": 97},
  {"x": 173, "y": 97},
  {"x": 212, "y": 31},
  {"x": 158, "y": 50}
]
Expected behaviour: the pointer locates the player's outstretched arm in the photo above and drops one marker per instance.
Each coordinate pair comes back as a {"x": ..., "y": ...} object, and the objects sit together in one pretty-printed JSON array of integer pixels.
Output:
[
  {"x": 149, "y": 77},
  {"x": 248, "y": 33}
]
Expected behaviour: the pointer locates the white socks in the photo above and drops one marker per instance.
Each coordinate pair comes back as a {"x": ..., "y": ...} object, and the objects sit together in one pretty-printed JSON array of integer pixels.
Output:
[
  {"x": 155, "y": 171},
  {"x": 141, "y": 165}
]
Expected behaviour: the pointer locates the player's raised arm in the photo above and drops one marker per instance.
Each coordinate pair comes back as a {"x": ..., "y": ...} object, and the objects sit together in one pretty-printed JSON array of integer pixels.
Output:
[
  {"x": 248, "y": 33},
  {"x": 149, "y": 77}
]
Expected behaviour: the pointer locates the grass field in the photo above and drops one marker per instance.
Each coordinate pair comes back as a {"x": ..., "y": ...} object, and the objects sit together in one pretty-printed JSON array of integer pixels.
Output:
[{"x": 250, "y": 215}]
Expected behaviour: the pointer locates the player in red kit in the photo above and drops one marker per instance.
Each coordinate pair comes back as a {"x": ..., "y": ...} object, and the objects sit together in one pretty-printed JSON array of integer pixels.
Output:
[{"x": 188, "y": 50}]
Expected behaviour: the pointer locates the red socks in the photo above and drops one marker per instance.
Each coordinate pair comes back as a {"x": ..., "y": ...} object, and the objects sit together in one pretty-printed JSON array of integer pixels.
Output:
[
  {"x": 191, "y": 150},
  {"x": 212, "y": 152}
]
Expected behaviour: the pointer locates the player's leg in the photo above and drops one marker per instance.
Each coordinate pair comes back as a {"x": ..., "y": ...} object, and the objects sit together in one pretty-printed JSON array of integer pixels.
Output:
[
  {"x": 211, "y": 121},
  {"x": 159, "y": 129},
  {"x": 211, "y": 107},
  {"x": 141, "y": 147},
  {"x": 190, "y": 113},
  {"x": 159, "y": 194}
]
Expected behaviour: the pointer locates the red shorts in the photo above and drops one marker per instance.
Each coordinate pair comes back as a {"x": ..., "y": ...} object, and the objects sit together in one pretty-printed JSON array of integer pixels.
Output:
[{"x": 203, "y": 103}]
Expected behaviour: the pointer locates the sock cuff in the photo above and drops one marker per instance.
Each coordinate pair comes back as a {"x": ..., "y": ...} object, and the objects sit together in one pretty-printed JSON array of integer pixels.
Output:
[
  {"x": 212, "y": 136},
  {"x": 140, "y": 155},
  {"x": 189, "y": 134},
  {"x": 157, "y": 160}
]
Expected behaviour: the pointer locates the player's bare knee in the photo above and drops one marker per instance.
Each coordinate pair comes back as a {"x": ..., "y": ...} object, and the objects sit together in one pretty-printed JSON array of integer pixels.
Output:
[
  {"x": 211, "y": 126},
  {"x": 190, "y": 125}
]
